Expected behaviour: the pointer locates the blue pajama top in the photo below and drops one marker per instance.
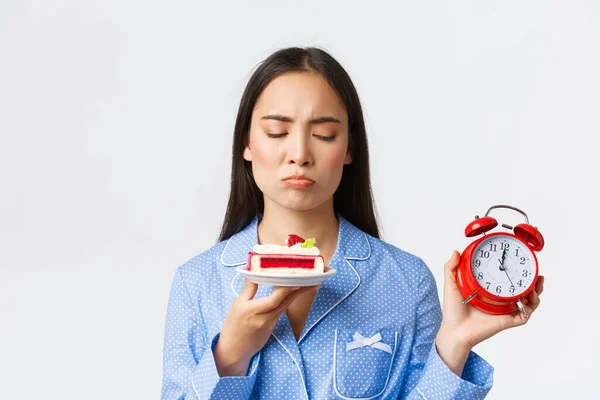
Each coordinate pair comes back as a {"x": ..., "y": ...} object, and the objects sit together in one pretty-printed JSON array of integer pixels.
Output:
[{"x": 369, "y": 334}]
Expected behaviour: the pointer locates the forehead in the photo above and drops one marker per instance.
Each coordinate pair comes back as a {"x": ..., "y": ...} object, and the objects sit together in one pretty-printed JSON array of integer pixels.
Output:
[{"x": 300, "y": 93}]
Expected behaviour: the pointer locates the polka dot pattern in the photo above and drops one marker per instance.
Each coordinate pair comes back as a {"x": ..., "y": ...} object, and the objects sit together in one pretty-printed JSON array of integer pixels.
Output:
[{"x": 378, "y": 289}]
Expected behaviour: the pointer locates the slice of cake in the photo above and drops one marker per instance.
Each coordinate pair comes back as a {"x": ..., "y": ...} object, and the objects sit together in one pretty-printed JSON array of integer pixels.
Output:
[{"x": 299, "y": 256}]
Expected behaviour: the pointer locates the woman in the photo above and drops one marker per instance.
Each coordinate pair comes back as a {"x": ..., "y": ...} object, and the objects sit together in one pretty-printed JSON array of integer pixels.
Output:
[{"x": 301, "y": 165}]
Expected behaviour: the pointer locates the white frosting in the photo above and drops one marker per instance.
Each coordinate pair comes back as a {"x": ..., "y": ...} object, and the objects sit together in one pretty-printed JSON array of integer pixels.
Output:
[{"x": 277, "y": 249}]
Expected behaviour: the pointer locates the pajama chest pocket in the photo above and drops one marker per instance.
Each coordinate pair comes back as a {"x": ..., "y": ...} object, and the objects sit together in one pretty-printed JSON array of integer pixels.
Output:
[{"x": 362, "y": 364}]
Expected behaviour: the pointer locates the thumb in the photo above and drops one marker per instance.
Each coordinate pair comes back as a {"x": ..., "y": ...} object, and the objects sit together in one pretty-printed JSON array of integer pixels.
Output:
[
  {"x": 452, "y": 264},
  {"x": 250, "y": 289}
]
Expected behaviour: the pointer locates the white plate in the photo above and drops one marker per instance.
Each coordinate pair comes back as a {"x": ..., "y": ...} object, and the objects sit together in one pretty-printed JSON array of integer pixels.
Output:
[{"x": 265, "y": 278}]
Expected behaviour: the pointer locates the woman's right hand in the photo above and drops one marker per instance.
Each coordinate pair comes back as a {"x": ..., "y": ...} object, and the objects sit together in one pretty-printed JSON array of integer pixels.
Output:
[{"x": 249, "y": 324}]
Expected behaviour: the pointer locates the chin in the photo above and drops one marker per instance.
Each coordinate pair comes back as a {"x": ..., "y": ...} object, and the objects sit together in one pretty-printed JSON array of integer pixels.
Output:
[
  {"x": 300, "y": 205},
  {"x": 297, "y": 202}
]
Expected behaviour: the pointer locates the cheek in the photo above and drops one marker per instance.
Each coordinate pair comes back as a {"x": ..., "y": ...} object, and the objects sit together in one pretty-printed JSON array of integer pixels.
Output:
[
  {"x": 265, "y": 163},
  {"x": 263, "y": 155},
  {"x": 334, "y": 159}
]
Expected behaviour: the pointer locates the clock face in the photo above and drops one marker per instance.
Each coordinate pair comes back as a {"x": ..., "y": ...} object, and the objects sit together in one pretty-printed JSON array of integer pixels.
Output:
[{"x": 503, "y": 266}]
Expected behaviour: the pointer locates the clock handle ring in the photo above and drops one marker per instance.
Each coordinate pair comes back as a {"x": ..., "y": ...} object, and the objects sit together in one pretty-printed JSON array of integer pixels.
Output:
[{"x": 509, "y": 207}]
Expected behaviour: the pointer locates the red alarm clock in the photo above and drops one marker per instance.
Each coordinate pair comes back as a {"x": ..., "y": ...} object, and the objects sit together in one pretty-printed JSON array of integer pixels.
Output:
[{"x": 500, "y": 269}]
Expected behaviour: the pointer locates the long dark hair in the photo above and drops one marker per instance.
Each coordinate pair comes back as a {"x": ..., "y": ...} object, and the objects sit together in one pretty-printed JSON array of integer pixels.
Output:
[{"x": 353, "y": 198}]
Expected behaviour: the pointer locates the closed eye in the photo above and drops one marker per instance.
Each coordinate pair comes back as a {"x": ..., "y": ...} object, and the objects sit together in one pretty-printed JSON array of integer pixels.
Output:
[
  {"x": 276, "y": 135},
  {"x": 326, "y": 138}
]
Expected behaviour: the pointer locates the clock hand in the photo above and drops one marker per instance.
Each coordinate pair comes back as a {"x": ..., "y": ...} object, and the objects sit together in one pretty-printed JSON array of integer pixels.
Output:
[{"x": 503, "y": 268}]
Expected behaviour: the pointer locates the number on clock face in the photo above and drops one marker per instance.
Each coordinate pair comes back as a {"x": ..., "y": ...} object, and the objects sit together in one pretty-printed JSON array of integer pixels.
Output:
[{"x": 507, "y": 278}]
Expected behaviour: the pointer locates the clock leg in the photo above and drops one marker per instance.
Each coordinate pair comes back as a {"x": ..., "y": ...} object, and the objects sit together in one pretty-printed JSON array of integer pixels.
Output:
[
  {"x": 468, "y": 299},
  {"x": 522, "y": 308}
]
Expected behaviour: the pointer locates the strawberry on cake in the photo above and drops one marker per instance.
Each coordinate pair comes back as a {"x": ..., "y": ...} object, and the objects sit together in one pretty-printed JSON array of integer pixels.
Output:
[{"x": 299, "y": 256}]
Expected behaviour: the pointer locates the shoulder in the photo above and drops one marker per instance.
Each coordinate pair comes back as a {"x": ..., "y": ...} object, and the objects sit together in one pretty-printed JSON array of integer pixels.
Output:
[
  {"x": 410, "y": 266},
  {"x": 202, "y": 267},
  {"x": 402, "y": 256}
]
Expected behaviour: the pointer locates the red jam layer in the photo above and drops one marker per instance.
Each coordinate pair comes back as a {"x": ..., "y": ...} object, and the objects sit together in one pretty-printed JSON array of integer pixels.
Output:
[{"x": 283, "y": 261}]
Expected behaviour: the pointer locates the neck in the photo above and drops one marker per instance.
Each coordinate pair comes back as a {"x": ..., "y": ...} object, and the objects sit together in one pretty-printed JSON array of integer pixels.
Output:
[{"x": 320, "y": 223}]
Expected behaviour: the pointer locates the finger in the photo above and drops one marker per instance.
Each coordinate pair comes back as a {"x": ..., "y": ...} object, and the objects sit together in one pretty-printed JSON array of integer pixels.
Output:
[
  {"x": 272, "y": 301},
  {"x": 249, "y": 291},
  {"x": 520, "y": 318},
  {"x": 290, "y": 299},
  {"x": 531, "y": 304},
  {"x": 539, "y": 286},
  {"x": 534, "y": 300},
  {"x": 450, "y": 271},
  {"x": 452, "y": 264}
]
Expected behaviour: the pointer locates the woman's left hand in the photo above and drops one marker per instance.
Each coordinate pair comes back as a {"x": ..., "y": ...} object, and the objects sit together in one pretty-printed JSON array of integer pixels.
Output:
[{"x": 464, "y": 326}]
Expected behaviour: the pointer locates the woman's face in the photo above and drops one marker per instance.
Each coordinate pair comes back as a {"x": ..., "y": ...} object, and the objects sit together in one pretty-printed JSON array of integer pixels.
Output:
[{"x": 299, "y": 127}]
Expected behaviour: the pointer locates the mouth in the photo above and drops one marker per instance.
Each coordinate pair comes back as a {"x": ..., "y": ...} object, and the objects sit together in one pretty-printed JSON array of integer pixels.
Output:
[{"x": 298, "y": 181}]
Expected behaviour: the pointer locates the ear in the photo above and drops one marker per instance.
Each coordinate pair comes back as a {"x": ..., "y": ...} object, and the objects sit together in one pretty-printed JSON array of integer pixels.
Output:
[
  {"x": 247, "y": 153},
  {"x": 348, "y": 158},
  {"x": 349, "y": 150}
]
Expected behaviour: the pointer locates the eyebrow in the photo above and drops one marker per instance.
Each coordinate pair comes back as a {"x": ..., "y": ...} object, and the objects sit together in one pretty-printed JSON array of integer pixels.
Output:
[{"x": 318, "y": 120}]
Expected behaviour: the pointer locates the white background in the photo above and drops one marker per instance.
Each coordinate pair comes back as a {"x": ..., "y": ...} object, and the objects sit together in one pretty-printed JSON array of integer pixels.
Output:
[{"x": 116, "y": 122}]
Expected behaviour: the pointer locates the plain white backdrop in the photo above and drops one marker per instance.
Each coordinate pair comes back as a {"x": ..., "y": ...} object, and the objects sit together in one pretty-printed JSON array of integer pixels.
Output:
[{"x": 116, "y": 124}]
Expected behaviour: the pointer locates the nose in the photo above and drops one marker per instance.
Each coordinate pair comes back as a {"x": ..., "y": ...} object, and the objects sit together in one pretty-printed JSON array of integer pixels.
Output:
[{"x": 300, "y": 152}]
